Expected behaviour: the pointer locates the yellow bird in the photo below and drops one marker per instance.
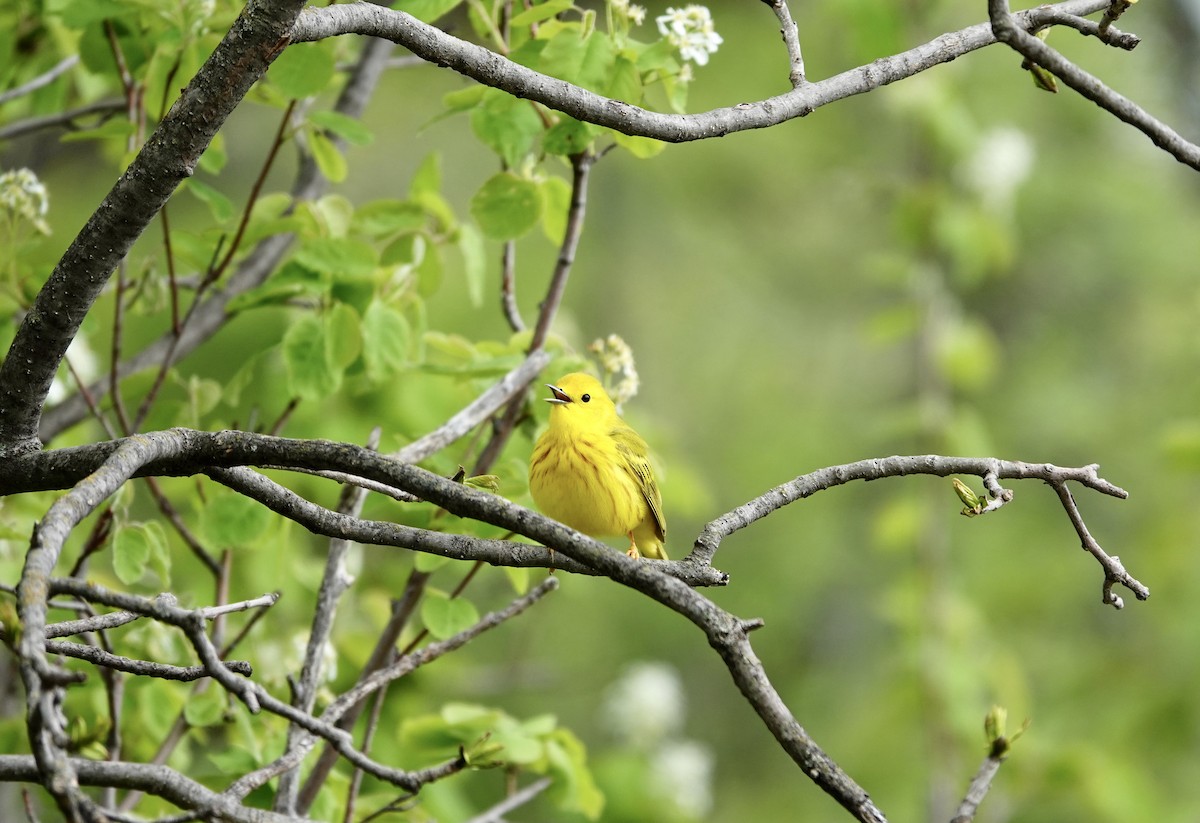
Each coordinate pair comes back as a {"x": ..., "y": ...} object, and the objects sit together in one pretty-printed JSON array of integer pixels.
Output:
[{"x": 590, "y": 471}]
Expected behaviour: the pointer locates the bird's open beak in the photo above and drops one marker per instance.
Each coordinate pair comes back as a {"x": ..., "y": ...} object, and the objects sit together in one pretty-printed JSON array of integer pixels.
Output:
[{"x": 559, "y": 395}]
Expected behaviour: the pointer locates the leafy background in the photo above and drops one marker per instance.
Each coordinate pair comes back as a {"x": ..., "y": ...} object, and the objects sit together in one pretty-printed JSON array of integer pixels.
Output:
[{"x": 831, "y": 289}]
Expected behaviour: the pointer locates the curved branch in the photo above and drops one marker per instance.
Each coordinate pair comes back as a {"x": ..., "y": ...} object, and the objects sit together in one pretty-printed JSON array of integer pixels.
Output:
[
  {"x": 160, "y": 781},
  {"x": 990, "y": 469},
  {"x": 328, "y": 523},
  {"x": 1008, "y": 30},
  {"x": 491, "y": 69},
  {"x": 185, "y": 451},
  {"x": 146, "y": 668}
]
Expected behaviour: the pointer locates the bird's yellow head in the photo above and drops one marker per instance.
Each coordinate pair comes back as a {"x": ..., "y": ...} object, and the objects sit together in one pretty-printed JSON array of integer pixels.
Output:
[{"x": 579, "y": 400}]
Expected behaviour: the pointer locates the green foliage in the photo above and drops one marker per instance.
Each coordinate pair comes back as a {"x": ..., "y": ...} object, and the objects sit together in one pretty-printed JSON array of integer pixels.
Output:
[
  {"x": 138, "y": 546},
  {"x": 898, "y": 303},
  {"x": 490, "y": 738}
]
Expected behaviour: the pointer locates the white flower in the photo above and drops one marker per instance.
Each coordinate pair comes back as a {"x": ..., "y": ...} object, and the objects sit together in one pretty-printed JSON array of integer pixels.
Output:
[
  {"x": 23, "y": 196},
  {"x": 682, "y": 771},
  {"x": 1001, "y": 162},
  {"x": 646, "y": 704},
  {"x": 690, "y": 29},
  {"x": 616, "y": 358},
  {"x": 634, "y": 13}
]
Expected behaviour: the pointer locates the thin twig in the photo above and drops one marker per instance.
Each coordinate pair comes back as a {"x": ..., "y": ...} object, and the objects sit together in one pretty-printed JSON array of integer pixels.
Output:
[
  {"x": 41, "y": 81},
  {"x": 581, "y": 166},
  {"x": 1008, "y": 30},
  {"x": 146, "y": 668},
  {"x": 383, "y": 654},
  {"x": 255, "y": 191},
  {"x": 1109, "y": 36},
  {"x": 508, "y": 287},
  {"x": 65, "y": 119},
  {"x": 791, "y": 39},
  {"x": 1114, "y": 571},
  {"x": 190, "y": 540},
  {"x": 334, "y": 583},
  {"x": 977, "y": 791},
  {"x": 325, "y": 727},
  {"x": 514, "y": 801}
]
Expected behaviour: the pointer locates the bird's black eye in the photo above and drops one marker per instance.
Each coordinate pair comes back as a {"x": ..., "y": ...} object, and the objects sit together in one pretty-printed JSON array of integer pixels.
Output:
[{"x": 586, "y": 398}]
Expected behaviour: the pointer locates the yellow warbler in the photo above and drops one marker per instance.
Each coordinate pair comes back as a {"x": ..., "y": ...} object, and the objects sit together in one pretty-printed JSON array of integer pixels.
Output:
[{"x": 591, "y": 471}]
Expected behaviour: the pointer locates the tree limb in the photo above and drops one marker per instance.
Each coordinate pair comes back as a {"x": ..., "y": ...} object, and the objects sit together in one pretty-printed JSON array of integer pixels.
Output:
[
  {"x": 156, "y": 780},
  {"x": 491, "y": 69},
  {"x": 166, "y": 160},
  {"x": 1008, "y": 30}
]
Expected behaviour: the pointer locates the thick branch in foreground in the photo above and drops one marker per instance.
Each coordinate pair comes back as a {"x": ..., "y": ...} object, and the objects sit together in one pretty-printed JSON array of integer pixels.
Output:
[
  {"x": 168, "y": 158},
  {"x": 181, "y": 451}
]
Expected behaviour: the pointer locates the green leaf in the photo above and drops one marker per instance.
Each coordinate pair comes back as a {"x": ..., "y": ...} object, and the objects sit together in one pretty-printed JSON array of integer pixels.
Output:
[
  {"x": 518, "y": 578},
  {"x": 385, "y": 341},
  {"x": 219, "y": 206},
  {"x": 348, "y": 128},
  {"x": 206, "y": 708},
  {"x": 430, "y": 272},
  {"x": 203, "y": 395},
  {"x": 339, "y": 256},
  {"x": 243, "y": 377},
  {"x": 574, "y": 786},
  {"x": 642, "y": 148},
  {"x": 405, "y": 250},
  {"x": 76, "y": 14},
  {"x": 304, "y": 69},
  {"x": 118, "y": 127},
  {"x": 427, "y": 179},
  {"x": 306, "y": 360},
  {"x": 463, "y": 99},
  {"x": 424, "y": 562},
  {"x": 541, "y": 12},
  {"x": 567, "y": 137},
  {"x": 426, "y": 191},
  {"x": 233, "y": 520},
  {"x": 625, "y": 81},
  {"x": 292, "y": 280},
  {"x": 556, "y": 207},
  {"x": 343, "y": 335},
  {"x": 385, "y": 217},
  {"x": 507, "y": 125},
  {"x": 333, "y": 212},
  {"x": 507, "y": 206},
  {"x": 445, "y": 616},
  {"x": 133, "y": 547},
  {"x": 214, "y": 158},
  {"x": 470, "y": 243},
  {"x": 328, "y": 159}
]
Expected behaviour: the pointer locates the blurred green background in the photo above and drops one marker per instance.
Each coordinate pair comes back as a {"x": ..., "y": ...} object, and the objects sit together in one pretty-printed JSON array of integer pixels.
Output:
[{"x": 959, "y": 263}]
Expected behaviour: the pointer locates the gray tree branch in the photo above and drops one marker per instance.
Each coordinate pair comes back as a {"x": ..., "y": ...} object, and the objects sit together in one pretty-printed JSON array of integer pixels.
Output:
[
  {"x": 1008, "y": 30},
  {"x": 491, "y": 69},
  {"x": 160, "y": 781}
]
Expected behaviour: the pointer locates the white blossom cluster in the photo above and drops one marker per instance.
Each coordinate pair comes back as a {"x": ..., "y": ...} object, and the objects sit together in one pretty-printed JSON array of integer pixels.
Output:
[
  {"x": 616, "y": 360},
  {"x": 24, "y": 198},
  {"x": 631, "y": 11},
  {"x": 646, "y": 708},
  {"x": 690, "y": 29}
]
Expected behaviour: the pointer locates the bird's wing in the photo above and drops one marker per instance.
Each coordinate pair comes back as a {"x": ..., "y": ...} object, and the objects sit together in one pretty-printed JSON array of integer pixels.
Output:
[{"x": 633, "y": 451}]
